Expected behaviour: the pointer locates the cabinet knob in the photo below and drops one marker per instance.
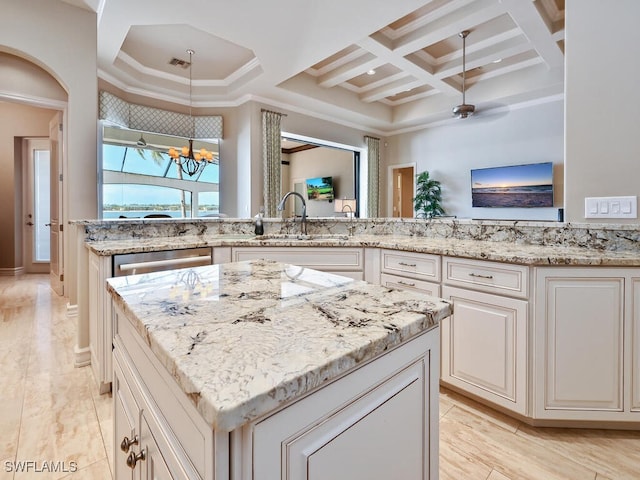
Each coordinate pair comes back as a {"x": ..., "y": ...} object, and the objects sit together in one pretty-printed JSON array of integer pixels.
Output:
[
  {"x": 132, "y": 458},
  {"x": 125, "y": 445}
]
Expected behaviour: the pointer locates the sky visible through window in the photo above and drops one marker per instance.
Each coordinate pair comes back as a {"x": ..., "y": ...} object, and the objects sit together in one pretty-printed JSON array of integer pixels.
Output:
[{"x": 138, "y": 198}]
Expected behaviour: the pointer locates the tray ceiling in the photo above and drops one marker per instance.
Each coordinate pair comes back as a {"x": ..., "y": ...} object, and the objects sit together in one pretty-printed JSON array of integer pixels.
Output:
[{"x": 374, "y": 64}]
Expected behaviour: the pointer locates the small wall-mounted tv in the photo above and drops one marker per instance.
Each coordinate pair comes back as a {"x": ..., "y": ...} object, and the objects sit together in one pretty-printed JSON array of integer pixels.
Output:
[
  {"x": 522, "y": 186},
  {"x": 320, "y": 188}
]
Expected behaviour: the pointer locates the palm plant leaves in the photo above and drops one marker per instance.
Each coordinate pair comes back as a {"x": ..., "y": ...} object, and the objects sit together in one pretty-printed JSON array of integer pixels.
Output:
[{"x": 427, "y": 202}]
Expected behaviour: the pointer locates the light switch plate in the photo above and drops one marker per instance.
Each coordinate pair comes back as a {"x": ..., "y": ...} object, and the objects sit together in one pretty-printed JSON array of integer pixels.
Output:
[{"x": 611, "y": 207}]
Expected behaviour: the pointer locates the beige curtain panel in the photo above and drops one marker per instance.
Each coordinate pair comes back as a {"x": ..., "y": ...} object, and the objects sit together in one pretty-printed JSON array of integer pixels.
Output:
[
  {"x": 271, "y": 158},
  {"x": 373, "y": 190}
]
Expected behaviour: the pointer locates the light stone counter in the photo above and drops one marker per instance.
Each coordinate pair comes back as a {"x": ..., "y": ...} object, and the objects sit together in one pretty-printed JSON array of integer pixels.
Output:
[
  {"x": 500, "y": 251},
  {"x": 241, "y": 339}
]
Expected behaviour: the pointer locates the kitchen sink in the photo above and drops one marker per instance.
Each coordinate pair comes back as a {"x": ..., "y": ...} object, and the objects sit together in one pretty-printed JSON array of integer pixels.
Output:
[{"x": 300, "y": 236}]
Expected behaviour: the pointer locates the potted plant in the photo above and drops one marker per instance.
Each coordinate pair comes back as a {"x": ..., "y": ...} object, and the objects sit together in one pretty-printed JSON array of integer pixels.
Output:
[{"x": 427, "y": 202}]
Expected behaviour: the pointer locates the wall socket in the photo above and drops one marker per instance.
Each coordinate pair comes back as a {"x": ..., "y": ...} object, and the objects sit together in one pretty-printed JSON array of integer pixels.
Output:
[{"x": 611, "y": 207}]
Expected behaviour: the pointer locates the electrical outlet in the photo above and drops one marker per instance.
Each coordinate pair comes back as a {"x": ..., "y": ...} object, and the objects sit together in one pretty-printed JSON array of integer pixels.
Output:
[{"x": 611, "y": 207}]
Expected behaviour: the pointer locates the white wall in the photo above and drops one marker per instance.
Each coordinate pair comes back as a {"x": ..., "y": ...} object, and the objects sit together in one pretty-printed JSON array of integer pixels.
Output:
[
  {"x": 449, "y": 152},
  {"x": 62, "y": 40},
  {"x": 323, "y": 162},
  {"x": 602, "y": 67}
]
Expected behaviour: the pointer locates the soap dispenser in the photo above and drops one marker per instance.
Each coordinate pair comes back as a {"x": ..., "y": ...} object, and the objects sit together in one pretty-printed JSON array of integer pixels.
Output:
[{"x": 259, "y": 230}]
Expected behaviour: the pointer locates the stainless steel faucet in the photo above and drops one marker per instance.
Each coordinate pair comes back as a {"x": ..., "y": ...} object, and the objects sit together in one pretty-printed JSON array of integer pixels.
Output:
[{"x": 303, "y": 223}]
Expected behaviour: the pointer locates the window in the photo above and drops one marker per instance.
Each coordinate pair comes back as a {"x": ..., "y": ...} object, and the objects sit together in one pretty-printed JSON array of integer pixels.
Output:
[{"x": 140, "y": 179}]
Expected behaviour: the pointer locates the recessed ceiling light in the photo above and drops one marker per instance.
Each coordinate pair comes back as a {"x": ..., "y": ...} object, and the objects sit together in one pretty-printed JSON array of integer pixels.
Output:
[
  {"x": 371, "y": 72},
  {"x": 497, "y": 60}
]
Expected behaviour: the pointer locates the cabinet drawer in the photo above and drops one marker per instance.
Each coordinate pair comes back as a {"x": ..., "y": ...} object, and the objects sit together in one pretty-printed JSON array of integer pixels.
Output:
[
  {"x": 485, "y": 276},
  {"x": 325, "y": 259},
  {"x": 395, "y": 281},
  {"x": 415, "y": 265}
]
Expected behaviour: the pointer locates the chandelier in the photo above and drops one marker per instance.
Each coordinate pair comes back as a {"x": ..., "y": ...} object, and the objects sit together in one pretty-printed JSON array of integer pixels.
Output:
[{"x": 190, "y": 162}]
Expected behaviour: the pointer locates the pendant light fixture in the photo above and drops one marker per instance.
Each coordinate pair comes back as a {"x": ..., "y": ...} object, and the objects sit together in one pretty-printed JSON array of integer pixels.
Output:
[
  {"x": 463, "y": 110},
  {"x": 191, "y": 162}
]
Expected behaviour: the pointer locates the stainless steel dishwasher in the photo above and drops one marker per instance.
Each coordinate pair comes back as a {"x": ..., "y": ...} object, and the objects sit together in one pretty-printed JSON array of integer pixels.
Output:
[{"x": 145, "y": 262}]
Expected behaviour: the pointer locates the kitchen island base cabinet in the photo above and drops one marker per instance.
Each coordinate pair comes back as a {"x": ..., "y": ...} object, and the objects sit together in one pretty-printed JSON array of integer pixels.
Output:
[
  {"x": 377, "y": 421},
  {"x": 353, "y": 429}
]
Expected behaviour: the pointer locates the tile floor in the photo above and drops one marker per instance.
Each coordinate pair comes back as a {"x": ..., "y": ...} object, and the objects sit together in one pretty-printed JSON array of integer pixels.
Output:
[{"x": 51, "y": 412}]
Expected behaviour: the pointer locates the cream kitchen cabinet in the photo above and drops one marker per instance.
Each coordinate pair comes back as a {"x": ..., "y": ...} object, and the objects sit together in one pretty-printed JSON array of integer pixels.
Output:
[
  {"x": 346, "y": 261},
  {"x": 419, "y": 272},
  {"x": 635, "y": 344},
  {"x": 586, "y": 356},
  {"x": 484, "y": 344},
  {"x": 356, "y": 428}
]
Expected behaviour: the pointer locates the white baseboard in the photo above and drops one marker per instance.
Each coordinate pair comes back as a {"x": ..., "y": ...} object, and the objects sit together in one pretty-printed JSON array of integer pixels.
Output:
[
  {"x": 72, "y": 310},
  {"x": 11, "y": 272},
  {"x": 82, "y": 356}
]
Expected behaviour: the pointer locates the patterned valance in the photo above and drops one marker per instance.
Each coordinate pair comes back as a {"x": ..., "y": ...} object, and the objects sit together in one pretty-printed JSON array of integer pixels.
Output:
[{"x": 155, "y": 120}]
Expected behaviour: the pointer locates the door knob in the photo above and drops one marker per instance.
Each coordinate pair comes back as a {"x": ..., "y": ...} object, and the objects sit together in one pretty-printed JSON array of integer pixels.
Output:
[{"x": 47, "y": 224}]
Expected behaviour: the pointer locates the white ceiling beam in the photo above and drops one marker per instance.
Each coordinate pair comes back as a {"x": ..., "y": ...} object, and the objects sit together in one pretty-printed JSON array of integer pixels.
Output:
[
  {"x": 532, "y": 24},
  {"x": 393, "y": 88},
  {"x": 390, "y": 56},
  {"x": 350, "y": 70},
  {"x": 478, "y": 12},
  {"x": 484, "y": 57}
]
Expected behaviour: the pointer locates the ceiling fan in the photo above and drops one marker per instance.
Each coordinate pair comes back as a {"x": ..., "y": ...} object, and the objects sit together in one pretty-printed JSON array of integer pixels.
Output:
[{"x": 463, "y": 110}]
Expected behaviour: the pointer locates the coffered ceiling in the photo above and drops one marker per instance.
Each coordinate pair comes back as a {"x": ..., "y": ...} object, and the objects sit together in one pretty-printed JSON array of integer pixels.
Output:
[{"x": 380, "y": 65}]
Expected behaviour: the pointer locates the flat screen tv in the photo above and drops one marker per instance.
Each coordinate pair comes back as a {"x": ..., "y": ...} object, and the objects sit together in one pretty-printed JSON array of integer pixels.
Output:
[
  {"x": 522, "y": 186},
  {"x": 320, "y": 188}
]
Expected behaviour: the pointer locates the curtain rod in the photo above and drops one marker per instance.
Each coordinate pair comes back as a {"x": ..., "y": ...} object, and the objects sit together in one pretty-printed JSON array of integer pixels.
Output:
[{"x": 271, "y": 111}]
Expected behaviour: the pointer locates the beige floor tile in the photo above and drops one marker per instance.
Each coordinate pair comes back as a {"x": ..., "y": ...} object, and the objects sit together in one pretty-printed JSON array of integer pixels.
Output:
[
  {"x": 495, "y": 475},
  {"x": 104, "y": 409},
  {"x": 489, "y": 414},
  {"x": 11, "y": 399},
  {"x": 59, "y": 420},
  {"x": 613, "y": 453},
  {"x": 95, "y": 471},
  {"x": 482, "y": 441}
]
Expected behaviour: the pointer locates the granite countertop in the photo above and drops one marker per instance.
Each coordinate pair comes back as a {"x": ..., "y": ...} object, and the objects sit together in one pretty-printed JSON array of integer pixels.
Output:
[
  {"x": 243, "y": 338},
  {"x": 510, "y": 252}
]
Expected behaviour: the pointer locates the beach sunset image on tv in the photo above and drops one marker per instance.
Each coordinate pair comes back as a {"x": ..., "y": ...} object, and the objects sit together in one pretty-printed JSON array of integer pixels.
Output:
[{"x": 513, "y": 186}]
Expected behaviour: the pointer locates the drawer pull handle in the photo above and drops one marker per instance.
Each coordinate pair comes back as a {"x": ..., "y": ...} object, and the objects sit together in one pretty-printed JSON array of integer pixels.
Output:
[
  {"x": 408, "y": 284},
  {"x": 125, "y": 445},
  {"x": 133, "y": 458},
  {"x": 477, "y": 275},
  {"x": 407, "y": 264}
]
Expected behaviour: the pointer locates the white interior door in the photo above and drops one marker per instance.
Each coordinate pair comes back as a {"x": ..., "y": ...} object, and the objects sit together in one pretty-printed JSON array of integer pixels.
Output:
[
  {"x": 56, "y": 273},
  {"x": 36, "y": 174}
]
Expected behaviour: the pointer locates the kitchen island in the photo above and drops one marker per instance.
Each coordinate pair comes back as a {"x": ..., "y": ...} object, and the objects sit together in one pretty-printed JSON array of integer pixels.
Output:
[{"x": 266, "y": 370}]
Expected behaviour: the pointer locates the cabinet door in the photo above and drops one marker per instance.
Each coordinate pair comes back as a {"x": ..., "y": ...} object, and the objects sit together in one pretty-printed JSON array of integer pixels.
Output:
[
  {"x": 153, "y": 467},
  {"x": 484, "y": 347},
  {"x": 635, "y": 345},
  {"x": 579, "y": 344},
  {"x": 126, "y": 417},
  {"x": 353, "y": 430}
]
